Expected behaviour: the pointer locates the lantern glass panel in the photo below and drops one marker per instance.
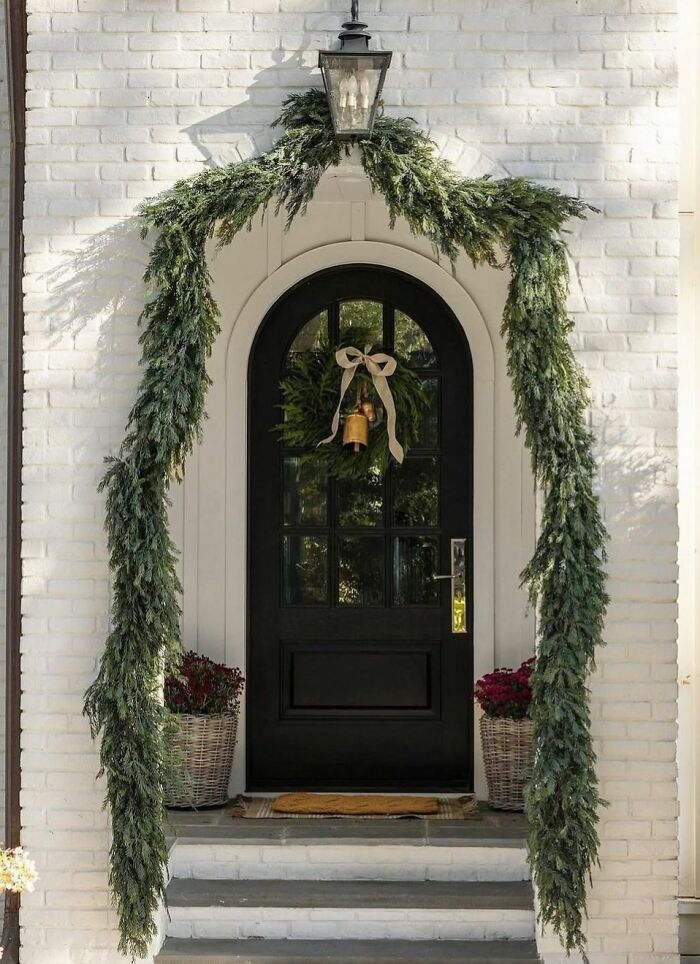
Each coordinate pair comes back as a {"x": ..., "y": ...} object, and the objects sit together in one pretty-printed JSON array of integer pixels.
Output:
[{"x": 353, "y": 83}]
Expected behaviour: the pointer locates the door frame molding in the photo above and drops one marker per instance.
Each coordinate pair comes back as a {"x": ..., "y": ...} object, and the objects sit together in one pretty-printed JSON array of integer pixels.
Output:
[
  {"x": 16, "y": 52},
  {"x": 242, "y": 335}
]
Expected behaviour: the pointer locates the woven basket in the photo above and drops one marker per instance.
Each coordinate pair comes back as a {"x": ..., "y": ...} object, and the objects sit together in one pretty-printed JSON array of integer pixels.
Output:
[
  {"x": 202, "y": 757},
  {"x": 507, "y": 749}
]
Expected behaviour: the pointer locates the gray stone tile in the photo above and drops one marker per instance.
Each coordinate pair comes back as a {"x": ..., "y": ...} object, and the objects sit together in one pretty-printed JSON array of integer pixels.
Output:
[
  {"x": 179, "y": 951},
  {"x": 475, "y": 833},
  {"x": 424, "y": 894},
  {"x": 356, "y": 831},
  {"x": 493, "y": 829}
]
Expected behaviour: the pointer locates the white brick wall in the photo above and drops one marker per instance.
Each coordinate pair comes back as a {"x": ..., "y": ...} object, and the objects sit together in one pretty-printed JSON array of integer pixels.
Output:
[{"x": 126, "y": 95}]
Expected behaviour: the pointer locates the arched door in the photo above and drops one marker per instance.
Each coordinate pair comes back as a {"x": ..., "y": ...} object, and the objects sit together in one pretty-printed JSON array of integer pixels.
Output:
[{"x": 359, "y": 663}]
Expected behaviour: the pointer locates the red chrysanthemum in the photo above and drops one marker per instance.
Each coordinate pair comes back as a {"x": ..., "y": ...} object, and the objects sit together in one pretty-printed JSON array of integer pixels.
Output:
[
  {"x": 202, "y": 687},
  {"x": 506, "y": 692}
]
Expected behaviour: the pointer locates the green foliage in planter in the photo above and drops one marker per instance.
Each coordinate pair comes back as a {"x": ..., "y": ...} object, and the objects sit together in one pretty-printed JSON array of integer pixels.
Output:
[{"x": 509, "y": 223}]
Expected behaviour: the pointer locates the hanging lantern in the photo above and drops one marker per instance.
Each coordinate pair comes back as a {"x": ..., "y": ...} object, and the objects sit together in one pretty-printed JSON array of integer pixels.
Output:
[
  {"x": 356, "y": 431},
  {"x": 353, "y": 77}
]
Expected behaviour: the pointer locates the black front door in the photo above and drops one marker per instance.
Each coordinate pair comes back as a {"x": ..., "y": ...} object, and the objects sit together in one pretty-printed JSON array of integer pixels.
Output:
[{"x": 359, "y": 659}]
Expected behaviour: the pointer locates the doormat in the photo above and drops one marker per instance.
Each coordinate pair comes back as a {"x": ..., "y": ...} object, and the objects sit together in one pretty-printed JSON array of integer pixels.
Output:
[
  {"x": 395, "y": 808},
  {"x": 359, "y": 805}
]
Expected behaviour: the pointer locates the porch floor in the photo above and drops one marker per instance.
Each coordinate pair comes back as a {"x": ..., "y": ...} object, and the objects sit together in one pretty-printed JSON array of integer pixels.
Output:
[{"x": 494, "y": 828}]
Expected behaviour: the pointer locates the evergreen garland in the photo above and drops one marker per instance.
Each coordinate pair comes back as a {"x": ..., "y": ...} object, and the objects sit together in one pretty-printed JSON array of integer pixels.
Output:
[{"x": 488, "y": 220}]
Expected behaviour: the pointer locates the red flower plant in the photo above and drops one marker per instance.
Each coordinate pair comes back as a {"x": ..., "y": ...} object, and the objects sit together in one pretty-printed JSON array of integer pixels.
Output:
[
  {"x": 506, "y": 692},
  {"x": 202, "y": 687}
]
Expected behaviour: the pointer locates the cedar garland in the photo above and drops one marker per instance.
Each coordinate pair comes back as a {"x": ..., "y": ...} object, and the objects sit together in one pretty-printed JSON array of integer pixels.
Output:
[{"x": 489, "y": 220}]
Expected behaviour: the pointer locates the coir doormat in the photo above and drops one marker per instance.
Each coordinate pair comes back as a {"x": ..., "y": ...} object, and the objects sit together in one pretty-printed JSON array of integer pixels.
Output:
[{"x": 319, "y": 806}]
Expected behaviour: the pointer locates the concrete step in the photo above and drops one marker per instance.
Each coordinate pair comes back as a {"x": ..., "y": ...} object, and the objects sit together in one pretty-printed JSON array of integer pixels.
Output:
[
  {"x": 351, "y": 909},
  {"x": 177, "y": 951}
]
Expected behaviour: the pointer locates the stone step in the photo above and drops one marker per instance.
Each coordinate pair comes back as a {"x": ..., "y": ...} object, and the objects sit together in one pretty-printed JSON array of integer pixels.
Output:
[
  {"x": 352, "y": 909},
  {"x": 355, "y": 860},
  {"x": 493, "y": 828},
  {"x": 489, "y": 849},
  {"x": 509, "y": 895},
  {"x": 177, "y": 951}
]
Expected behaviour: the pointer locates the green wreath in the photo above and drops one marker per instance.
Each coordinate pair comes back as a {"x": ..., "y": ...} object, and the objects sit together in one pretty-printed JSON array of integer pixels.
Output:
[{"x": 310, "y": 393}]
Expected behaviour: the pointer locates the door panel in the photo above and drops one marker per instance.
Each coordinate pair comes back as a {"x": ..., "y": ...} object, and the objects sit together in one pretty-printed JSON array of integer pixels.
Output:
[
  {"x": 356, "y": 679},
  {"x": 344, "y": 676}
]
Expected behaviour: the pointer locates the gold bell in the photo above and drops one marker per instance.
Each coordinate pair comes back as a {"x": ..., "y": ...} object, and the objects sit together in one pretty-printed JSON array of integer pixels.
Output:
[
  {"x": 356, "y": 431},
  {"x": 369, "y": 410}
]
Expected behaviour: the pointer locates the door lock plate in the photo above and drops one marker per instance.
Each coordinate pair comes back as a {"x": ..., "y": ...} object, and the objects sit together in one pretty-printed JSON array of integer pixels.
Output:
[{"x": 459, "y": 585}]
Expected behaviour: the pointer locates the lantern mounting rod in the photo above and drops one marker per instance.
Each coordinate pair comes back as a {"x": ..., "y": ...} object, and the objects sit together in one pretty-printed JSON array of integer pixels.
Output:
[{"x": 354, "y": 37}]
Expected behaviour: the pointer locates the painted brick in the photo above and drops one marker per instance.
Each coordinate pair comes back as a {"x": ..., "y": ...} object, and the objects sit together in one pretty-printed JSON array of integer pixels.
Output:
[{"x": 125, "y": 99}]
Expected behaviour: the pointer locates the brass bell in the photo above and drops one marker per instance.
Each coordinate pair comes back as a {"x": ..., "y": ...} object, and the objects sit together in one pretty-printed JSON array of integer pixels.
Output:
[
  {"x": 356, "y": 431},
  {"x": 369, "y": 410}
]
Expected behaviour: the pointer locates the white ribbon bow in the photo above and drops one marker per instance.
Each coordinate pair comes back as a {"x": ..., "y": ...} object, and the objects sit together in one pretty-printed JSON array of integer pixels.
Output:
[{"x": 380, "y": 367}]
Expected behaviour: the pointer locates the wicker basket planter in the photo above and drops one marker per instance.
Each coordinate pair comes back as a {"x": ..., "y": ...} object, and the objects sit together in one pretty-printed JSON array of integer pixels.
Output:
[
  {"x": 507, "y": 749},
  {"x": 203, "y": 755}
]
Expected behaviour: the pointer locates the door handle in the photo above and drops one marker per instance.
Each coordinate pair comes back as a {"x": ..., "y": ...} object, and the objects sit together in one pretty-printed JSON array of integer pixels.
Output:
[{"x": 458, "y": 578}]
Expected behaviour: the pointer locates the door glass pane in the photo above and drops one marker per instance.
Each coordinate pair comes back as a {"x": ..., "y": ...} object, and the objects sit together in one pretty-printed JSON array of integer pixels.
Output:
[
  {"x": 411, "y": 342},
  {"x": 416, "y": 492},
  {"x": 304, "y": 570},
  {"x": 361, "y": 501},
  {"x": 361, "y": 571},
  {"x": 310, "y": 335},
  {"x": 337, "y": 566},
  {"x": 415, "y": 565},
  {"x": 362, "y": 323},
  {"x": 429, "y": 435},
  {"x": 305, "y": 497}
]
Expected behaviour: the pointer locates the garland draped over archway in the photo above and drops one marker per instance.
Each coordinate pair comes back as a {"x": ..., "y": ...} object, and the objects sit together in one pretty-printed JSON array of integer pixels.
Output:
[{"x": 507, "y": 223}]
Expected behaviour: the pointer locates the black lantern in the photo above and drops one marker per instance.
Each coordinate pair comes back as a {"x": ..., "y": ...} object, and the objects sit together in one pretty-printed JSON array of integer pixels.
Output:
[{"x": 354, "y": 77}]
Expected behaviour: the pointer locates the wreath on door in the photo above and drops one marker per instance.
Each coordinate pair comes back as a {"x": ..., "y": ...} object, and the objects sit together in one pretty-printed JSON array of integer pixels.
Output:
[{"x": 349, "y": 410}]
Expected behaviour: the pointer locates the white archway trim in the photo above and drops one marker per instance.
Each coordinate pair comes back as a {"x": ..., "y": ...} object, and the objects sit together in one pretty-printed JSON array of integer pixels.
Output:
[
  {"x": 383, "y": 255},
  {"x": 242, "y": 335}
]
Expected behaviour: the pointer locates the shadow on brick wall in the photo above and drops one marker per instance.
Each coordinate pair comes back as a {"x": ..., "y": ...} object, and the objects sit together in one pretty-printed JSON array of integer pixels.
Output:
[{"x": 246, "y": 127}]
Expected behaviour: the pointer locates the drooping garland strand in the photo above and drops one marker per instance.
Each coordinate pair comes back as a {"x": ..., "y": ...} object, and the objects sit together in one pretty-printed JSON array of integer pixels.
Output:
[
  {"x": 488, "y": 220},
  {"x": 565, "y": 578}
]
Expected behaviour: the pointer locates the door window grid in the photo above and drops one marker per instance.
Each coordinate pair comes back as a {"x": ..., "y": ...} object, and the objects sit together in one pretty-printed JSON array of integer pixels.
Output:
[{"x": 410, "y": 555}]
